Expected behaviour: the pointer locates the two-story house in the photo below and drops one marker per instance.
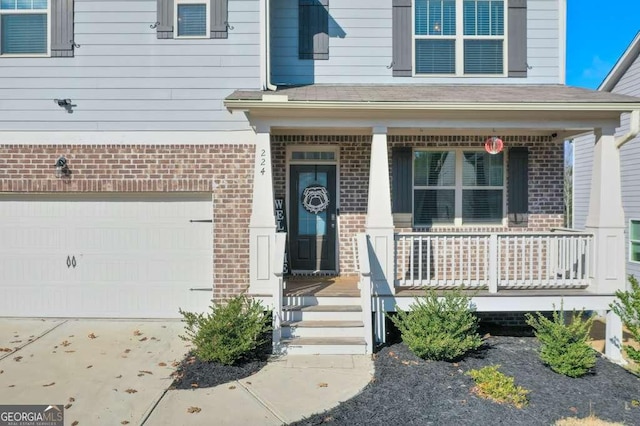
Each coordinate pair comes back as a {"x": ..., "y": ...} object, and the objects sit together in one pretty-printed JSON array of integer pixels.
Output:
[{"x": 404, "y": 144}]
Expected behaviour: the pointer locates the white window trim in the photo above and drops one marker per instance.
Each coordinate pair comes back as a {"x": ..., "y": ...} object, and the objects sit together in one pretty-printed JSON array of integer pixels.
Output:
[
  {"x": 631, "y": 241},
  {"x": 31, "y": 11},
  {"x": 458, "y": 188},
  {"x": 459, "y": 38},
  {"x": 207, "y": 3}
]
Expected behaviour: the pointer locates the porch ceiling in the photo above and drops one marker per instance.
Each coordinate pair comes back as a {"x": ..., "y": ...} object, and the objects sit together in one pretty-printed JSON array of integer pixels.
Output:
[{"x": 516, "y": 109}]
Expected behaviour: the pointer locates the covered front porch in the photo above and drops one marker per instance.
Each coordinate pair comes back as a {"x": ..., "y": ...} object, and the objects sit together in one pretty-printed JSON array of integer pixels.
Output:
[{"x": 413, "y": 201}]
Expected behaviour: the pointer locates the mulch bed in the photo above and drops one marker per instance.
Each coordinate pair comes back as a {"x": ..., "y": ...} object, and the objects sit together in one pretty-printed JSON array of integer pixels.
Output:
[
  {"x": 193, "y": 373},
  {"x": 409, "y": 391}
]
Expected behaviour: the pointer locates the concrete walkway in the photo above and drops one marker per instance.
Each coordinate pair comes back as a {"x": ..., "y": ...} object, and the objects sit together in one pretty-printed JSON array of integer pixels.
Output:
[
  {"x": 286, "y": 390},
  {"x": 108, "y": 372}
]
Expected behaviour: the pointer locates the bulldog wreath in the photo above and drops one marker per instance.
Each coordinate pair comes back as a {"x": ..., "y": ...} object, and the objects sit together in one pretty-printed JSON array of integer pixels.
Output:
[{"x": 315, "y": 199}]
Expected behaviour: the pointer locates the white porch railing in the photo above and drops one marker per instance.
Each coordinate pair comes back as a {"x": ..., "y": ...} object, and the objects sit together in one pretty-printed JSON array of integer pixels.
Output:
[
  {"x": 361, "y": 252},
  {"x": 493, "y": 260},
  {"x": 278, "y": 271}
]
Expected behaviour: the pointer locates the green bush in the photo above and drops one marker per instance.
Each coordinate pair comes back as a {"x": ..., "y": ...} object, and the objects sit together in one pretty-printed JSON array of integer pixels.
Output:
[
  {"x": 492, "y": 384},
  {"x": 564, "y": 347},
  {"x": 231, "y": 333},
  {"x": 439, "y": 329},
  {"x": 627, "y": 307}
]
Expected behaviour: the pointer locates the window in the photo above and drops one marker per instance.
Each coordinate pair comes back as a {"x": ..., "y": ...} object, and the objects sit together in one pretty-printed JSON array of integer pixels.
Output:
[
  {"x": 192, "y": 18},
  {"x": 458, "y": 187},
  {"x": 24, "y": 27},
  {"x": 459, "y": 37},
  {"x": 634, "y": 240}
]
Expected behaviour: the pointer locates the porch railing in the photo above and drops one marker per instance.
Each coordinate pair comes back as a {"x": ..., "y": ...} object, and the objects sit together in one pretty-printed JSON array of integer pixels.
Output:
[
  {"x": 361, "y": 252},
  {"x": 278, "y": 266},
  {"x": 493, "y": 261}
]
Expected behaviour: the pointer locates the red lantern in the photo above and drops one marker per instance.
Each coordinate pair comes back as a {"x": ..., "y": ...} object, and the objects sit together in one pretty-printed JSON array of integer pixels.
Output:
[{"x": 493, "y": 145}]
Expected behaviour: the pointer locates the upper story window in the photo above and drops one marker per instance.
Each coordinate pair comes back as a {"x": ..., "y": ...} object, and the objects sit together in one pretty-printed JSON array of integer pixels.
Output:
[
  {"x": 459, "y": 37},
  {"x": 24, "y": 27},
  {"x": 634, "y": 240},
  {"x": 192, "y": 18}
]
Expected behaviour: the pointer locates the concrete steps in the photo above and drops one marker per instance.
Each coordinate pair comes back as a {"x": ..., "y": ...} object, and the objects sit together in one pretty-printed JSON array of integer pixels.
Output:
[{"x": 323, "y": 326}]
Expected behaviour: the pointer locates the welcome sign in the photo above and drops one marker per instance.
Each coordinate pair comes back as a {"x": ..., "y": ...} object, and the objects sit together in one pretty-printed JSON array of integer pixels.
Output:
[{"x": 281, "y": 226}]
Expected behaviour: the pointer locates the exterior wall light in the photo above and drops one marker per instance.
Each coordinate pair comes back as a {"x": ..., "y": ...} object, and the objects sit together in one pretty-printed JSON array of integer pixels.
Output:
[
  {"x": 62, "y": 167},
  {"x": 493, "y": 145}
]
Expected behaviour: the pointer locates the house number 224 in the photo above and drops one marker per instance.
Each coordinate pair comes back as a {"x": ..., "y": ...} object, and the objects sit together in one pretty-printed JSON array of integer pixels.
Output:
[{"x": 263, "y": 161}]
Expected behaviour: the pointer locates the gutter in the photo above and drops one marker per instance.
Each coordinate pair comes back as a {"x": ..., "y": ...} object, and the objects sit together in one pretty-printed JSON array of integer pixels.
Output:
[
  {"x": 267, "y": 45},
  {"x": 634, "y": 129}
]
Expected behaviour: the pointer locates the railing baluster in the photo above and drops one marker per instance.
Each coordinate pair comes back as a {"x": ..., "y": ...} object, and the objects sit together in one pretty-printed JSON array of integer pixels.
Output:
[
  {"x": 420, "y": 260},
  {"x": 429, "y": 258},
  {"x": 411, "y": 260},
  {"x": 540, "y": 262}
]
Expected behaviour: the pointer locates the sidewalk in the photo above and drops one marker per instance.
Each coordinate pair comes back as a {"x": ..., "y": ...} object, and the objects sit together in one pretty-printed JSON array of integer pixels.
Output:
[{"x": 286, "y": 390}]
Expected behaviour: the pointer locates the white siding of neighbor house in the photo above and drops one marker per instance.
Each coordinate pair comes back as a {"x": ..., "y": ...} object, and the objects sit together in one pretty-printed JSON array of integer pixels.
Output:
[
  {"x": 360, "y": 46},
  {"x": 629, "y": 84},
  {"x": 123, "y": 78}
]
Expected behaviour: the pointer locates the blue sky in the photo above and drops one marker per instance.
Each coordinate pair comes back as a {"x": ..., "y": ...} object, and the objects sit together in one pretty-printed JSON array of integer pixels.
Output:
[{"x": 598, "y": 32}]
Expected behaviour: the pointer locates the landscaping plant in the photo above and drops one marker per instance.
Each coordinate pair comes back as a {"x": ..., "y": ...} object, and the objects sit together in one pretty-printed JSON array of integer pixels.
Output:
[
  {"x": 627, "y": 307},
  {"x": 231, "y": 333},
  {"x": 564, "y": 347},
  {"x": 492, "y": 384},
  {"x": 439, "y": 328}
]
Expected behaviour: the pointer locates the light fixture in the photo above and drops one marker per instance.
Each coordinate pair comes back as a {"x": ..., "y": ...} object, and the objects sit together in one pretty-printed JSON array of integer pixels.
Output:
[
  {"x": 436, "y": 27},
  {"x": 493, "y": 145},
  {"x": 62, "y": 167}
]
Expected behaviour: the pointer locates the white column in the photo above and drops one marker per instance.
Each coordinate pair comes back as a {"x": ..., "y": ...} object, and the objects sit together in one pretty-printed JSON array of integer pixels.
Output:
[
  {"x": 606, "y": 221},
  {"x": 379, "y": 222},
  {"x": 262, "y": 226}
]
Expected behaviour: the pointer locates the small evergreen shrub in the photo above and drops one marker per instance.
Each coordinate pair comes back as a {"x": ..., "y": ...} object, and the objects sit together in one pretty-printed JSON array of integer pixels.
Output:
[
  {"x": 439, "y": 329},
  {"x": 627, "y": 307},
  {"x": 492, "y": 384},
  {"x": 231, "y": 333},
  {"x": 564, "y": 347}
]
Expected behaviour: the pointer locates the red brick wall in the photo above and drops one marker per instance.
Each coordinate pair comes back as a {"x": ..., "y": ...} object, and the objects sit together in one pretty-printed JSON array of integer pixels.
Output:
[{"x": 224, "y": 170}]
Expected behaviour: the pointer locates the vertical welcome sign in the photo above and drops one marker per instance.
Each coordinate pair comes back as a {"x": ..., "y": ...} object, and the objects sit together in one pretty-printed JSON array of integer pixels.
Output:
[{"x": 281, "y": 226}]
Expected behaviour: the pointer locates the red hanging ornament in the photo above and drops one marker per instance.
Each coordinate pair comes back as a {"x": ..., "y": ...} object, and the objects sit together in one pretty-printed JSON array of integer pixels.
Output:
[{"x": 493, "y": 145}]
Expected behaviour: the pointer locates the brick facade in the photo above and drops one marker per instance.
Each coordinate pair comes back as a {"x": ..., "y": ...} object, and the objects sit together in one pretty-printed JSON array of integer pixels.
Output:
[{"x": 226, "y": 171}]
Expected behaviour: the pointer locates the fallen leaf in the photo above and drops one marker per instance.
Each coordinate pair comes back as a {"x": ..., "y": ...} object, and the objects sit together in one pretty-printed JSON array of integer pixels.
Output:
[
  {"x": 66, "y": 407},
  {"x": 143, "y": 339},
  {"x": 65, "y": 343},
  {"x": 72, "y": 399},
  {"x": 145, "y": 371},
  {"x": 153, "y": 338},
  {"x": 16, "y": 341},
  {"x": 131, "y": 390},
  {"x": 323, "y": 385},
  {"x": 119, "y": 377},
  {"x": 137, "y": 333},
  {"x": 1, "y": 371},
  {"x": 89, "y": 366},
  {"x": 12, "y": 386},
  {"x": 232, "y": 387},
  {"x": 192, "y": 410},
  {"x": 164, "y": 326},
  {"x": 75, "y": 423},
  {"x": 162, "y": 364},
  {"x": 69, "y": 352},
  {"x": 92, "y": 336},
  {"x": 194, "y": 385},
  {"x": 140, "y": 375},
  {"x": 248, "y": 383},
  {"x": 175, "y": 364},
  {"x": 50, "y": 384},
  {"x": 6, "y": 350},
  {"x": 17, "y": 359},
  {"x": 124, "y": 422},
  {"x": 71, "y": 335},
  {"x": 126, "y": 351}
]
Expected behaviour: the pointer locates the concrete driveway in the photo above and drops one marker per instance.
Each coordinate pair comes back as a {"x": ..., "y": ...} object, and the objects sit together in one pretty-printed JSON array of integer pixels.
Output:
[{"x": 103, "y": 371}]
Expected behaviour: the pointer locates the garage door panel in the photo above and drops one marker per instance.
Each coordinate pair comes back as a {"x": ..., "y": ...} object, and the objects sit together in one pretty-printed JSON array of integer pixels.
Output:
[{"x": 134, "y": 257}]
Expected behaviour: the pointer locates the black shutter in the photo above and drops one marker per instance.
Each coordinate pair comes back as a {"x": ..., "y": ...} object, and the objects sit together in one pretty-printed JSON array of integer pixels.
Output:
[
  {"x": 517, "y": 38},
  {"x": 401, "y": 174},
  {"x": 313, "y": 29},
  {"x": 62, "y": 40},
  {"x": 518, "y": 187},
  {"x": 401, "y": 38},
  {"x": 219, "y": 19},
  {"x": 165, "y": 19}
]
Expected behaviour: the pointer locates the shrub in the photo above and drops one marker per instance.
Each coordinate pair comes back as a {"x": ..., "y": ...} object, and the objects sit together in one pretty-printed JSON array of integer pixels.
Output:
[
  {"x": 627, "y": 307},
  {"x": 492, "y": 384},
  {"x": 439, "y": 329},
  {"x": 231, "y": 333},
  {"x": 564, "y": 347}
]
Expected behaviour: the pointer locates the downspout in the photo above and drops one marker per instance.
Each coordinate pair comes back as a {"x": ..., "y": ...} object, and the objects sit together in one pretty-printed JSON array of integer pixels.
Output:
[
  {"x": 267, "y": 46},
  {"x": 634, "y": 129}
]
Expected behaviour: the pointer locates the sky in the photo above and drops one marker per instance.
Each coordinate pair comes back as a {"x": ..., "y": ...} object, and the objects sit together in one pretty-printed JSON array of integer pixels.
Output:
[{"x": 598, "y": 33}]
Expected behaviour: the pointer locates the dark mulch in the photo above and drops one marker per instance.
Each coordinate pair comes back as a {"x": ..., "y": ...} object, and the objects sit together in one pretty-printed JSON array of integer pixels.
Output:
[
  {"x": 193, "y": 373},
  {"x": 409, "y": 391}
]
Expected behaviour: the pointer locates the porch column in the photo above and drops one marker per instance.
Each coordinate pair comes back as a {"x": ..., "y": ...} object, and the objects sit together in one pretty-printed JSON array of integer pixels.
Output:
[
  {"x": 379, "y": 223},
  {"x": 262, "y": 225},
  {"x": 606, "y": 221}
]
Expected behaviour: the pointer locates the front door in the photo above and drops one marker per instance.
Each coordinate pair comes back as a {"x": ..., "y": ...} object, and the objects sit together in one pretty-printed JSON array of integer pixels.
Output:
[{"x": 313, "y": 218}]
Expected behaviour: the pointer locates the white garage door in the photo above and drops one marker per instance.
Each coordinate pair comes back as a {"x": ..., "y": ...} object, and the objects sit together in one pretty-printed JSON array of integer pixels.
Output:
[{"x": 105, "y": 256}]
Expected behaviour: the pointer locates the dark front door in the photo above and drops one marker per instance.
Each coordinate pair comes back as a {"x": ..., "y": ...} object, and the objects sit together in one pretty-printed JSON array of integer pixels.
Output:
[{"x": 313, "y": 217}]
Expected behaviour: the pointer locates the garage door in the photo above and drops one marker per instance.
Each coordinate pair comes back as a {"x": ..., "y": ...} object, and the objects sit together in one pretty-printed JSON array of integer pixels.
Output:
[{"x": 105, "y": 256}]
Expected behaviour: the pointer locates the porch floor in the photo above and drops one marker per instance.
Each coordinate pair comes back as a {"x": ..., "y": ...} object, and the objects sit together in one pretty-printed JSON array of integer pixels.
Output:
[{"x": 340, "y": 286}]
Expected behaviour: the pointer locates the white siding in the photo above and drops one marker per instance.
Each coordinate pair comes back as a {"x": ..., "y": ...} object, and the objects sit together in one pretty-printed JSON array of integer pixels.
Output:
[
  {"x": 123, "y": 78},
  {"x": 360, "y": 46}
]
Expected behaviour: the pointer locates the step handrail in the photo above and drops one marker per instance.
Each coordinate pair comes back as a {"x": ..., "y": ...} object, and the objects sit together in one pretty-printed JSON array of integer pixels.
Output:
[
  {"x": 364, "y": 268},
  {"x": 278, "y": 271}
]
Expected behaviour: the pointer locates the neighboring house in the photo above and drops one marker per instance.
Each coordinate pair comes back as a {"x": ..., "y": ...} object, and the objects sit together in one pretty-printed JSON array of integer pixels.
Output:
[
  {"x": 624, "y": 79},
  {"x": 408, "y": 144}
]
